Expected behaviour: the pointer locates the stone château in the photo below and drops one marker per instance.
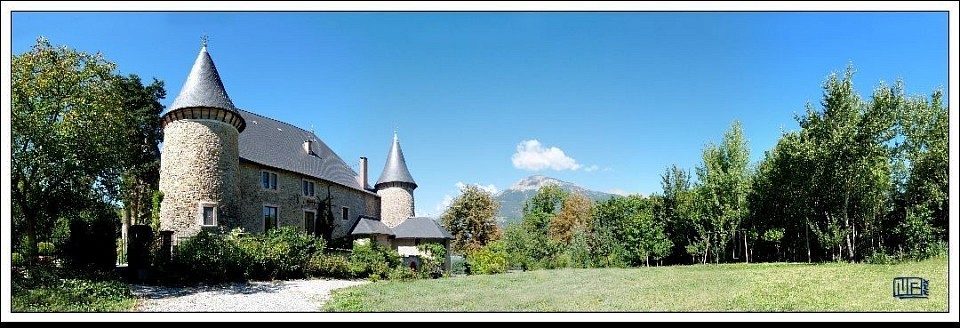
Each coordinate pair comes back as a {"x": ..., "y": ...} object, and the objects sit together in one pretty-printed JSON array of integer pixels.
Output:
[{"x": 224, "y": 167}]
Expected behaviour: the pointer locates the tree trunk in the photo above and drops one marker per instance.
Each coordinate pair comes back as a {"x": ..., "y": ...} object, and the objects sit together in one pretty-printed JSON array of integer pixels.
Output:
[
  {"x": 807, "y": 237},
  {"x": 746, "y": 256},
  {"x": 706, "y": 250},
  {"x": 846, "y": 226},
  {"x": 30, "y": 231},
  {"x": 125, "y": 228}
]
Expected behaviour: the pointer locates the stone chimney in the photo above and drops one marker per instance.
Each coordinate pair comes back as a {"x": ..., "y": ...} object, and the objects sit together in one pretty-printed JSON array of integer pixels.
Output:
[{"x": 363, "y": 172}]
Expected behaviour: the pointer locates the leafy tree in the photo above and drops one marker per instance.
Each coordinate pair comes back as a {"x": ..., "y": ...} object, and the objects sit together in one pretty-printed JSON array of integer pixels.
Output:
[
  {"x": 471, "y": 219},
  {"x": 68, "y": 127},
  {"x": 779, "y": 201},
  {"x": 489, "y": 259},
  {"x": 724, "y": 183},
  {"x": 141, "y": 158},
  {"x": 519, "y": 247},
  {"x": 575, "y": 214},
  {"x": 850, "y": 165},
  {"x": 924, "y": 128},
  {"x": 630, "y": 230},
  {"x": 678, "y": 210}
]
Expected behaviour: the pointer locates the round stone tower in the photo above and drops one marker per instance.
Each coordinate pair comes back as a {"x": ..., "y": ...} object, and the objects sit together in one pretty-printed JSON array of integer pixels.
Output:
[
  {"x": 199, "y": 162},
  {"x": 395, "y": 188}
]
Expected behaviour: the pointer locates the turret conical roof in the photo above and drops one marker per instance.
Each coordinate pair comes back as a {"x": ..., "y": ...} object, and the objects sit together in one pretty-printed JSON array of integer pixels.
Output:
[
  {"x": 203, "y": 87},
  {"x": 395, "y": 169}
]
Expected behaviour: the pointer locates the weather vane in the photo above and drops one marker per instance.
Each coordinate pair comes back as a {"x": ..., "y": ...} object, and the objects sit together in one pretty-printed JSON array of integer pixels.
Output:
[{"x": 203, "y": 40}]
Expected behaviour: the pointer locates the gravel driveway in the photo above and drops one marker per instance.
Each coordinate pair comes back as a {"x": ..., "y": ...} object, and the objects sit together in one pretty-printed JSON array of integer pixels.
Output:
[{"x": 279, "y": 296}]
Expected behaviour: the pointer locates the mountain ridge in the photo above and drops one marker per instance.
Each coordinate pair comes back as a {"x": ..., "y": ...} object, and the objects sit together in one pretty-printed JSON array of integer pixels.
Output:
[{"x": 511, "y": 199}]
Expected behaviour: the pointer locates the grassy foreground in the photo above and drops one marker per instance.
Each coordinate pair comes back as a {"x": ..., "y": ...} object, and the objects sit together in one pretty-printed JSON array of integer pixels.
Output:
[
  {"x": 48, "y": 289},
  {"x": 777, "y": 287}
]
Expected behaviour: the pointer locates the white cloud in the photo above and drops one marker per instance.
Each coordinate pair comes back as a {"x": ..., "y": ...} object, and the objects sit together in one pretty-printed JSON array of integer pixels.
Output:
[
  {"x": 488, "y": 188},
  {"x": 607, "y": 169},
  {"x": 533, "y": 156},
  {"x": 447, "y": 198},
  {"x": 591, "y": 168},
  {"x": 621, "y": 192},
  {"x": 442, "y": 206}
]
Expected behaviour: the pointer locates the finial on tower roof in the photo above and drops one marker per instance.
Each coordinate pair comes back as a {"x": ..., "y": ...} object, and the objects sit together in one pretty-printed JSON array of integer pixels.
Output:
[{"x": 203, "y": 40}]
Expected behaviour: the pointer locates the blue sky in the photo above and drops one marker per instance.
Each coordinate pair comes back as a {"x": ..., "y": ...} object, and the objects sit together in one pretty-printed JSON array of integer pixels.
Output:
[{"x": 491, "y": 98}]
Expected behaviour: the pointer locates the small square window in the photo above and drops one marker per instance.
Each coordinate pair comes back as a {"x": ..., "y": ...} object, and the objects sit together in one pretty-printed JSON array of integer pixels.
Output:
[
  {"x": 308, "y": 188},
  {"x": 268, "y": 180},
  {"x": 345, "y": 212},
  {"x": 208, "y": 214}
]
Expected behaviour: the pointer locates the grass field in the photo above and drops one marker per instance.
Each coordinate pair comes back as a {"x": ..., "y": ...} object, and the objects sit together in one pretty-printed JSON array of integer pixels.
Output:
[{"x": 777, "y": 287}]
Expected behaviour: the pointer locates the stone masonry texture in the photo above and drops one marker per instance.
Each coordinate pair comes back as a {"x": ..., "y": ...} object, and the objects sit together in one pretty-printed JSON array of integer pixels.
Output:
[
  {"x": 199, "y": 162},
  {"x": 396, "y": 203}
]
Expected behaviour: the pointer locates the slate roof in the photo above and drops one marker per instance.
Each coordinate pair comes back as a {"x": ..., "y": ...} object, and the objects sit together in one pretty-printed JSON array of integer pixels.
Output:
[
  {"x": 276, "y": 144},
  {"x": 395, "y": 169},
  {"x": 203, "y": 87},
  {"x": 421, "y": 227},
  {"x": 366, "y": 226}
]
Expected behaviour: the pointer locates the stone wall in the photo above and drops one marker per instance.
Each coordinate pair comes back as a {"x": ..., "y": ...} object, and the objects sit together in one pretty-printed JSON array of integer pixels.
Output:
[
  {"x": 291, "y": 203},
  {"x": 199, "y": 162},
  {"x": 396, "y": 203}
]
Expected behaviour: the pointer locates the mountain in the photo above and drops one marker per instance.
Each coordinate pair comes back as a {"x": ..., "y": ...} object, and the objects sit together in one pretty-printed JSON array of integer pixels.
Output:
[{"x": 512, "y": 199}]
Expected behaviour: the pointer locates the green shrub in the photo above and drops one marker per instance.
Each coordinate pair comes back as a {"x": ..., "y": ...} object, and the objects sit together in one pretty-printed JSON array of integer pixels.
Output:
[
  {"x": 45, "y": 248},
  {"x": 328, "y": 265},
  {"x": 405, "y": 274},
  {"x": 371, "y": 260},
  {"x": 431, "y": 265},
  {"x": 458, "y": 264},
  {"x": 17, "y": 260},
  {"x": 489, "y": 259},
  {"x": 209, "y": 257},
  {"x": 281, "y": 253},
  {"x": 879, "y": 257}
]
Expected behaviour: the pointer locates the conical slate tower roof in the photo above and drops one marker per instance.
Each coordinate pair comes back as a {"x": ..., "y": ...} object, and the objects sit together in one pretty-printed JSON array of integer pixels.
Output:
[
  {"x": 203, "y": 87},
  {"x": 396, "y": 168},
  {"x": 203, "y": 96}
]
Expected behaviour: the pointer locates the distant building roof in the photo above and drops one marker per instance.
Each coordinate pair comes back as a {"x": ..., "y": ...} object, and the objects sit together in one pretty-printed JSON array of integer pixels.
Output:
[
  {"x": 421, "y": 227},
  {"x": 366, "y": 226},
  {"x": 280, "y": 145},
  {"x": 395, "y": 169}
]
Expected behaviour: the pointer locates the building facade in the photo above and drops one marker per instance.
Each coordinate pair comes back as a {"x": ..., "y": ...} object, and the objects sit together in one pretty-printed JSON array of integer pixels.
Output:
[{"x": 223, "y": 167}]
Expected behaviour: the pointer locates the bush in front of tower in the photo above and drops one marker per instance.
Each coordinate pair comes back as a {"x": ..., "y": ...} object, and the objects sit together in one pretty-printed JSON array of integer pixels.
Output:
[
  {"x": 282, "y": 253},
  {"x": 373, "y": 261},
  {"x": 207, "y": 257}
]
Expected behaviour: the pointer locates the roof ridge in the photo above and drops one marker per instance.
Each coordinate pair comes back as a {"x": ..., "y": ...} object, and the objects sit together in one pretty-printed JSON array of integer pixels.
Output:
[{"x": 276, "y": 120}]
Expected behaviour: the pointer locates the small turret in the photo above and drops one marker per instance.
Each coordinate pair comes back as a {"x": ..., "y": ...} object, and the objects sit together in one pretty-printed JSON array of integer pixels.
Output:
[{"x": 395, "y": 188}]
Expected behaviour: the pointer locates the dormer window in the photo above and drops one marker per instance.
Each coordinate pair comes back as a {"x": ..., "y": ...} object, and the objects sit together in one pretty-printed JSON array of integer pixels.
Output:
[
  {"x": 268, "y": 180},
  {"x": 308, "y": 146}
]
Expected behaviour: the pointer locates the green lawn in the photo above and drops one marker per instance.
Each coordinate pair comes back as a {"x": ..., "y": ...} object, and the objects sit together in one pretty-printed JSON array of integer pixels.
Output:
[{"x": 777, "y": 287}]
